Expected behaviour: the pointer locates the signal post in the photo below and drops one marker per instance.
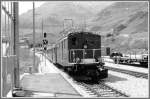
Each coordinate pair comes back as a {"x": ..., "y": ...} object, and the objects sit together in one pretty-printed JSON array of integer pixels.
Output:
[{"x": 45, "y": 42}]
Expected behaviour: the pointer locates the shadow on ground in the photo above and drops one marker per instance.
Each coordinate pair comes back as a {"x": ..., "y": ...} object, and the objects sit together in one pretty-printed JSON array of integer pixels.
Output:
[
  {"x": 113, "y": 79},
  {"x": 135, "y": 65}
]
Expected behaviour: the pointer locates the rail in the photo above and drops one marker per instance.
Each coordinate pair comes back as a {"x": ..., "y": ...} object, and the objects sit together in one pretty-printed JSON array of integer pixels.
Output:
[
  {"x": 101, "y": 90},
  {"x": 133, "y": 73}
]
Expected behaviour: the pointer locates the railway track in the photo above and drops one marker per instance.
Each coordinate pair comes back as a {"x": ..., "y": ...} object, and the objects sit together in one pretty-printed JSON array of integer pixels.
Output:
[
  {"x": 133, "y": 73},
  {"x": 101, "y": 90}
]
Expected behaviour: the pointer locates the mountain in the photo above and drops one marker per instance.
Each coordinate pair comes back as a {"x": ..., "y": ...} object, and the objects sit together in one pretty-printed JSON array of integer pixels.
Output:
[
  {"x": 124, "y": 25},
  {"x": 53, "y": 14}
]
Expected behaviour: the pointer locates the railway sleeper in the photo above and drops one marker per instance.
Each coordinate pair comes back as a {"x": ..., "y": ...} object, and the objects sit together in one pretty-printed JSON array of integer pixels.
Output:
[
  {"x": 110, "y": 95},
  {"x": 104, "y": 90},
  {"x": 136, "y": 74},
  {"x": 91, "y": 93}
]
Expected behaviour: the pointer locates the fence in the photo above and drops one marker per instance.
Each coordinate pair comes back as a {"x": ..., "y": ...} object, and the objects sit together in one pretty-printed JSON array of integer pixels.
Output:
[{"x": 9, "y": 57}]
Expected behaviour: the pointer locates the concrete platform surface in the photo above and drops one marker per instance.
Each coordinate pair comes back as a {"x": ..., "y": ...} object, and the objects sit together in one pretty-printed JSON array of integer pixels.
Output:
[{"x": 47, "y": 85}]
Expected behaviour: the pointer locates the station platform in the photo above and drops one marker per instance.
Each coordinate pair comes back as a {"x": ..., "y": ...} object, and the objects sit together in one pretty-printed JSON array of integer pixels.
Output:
[
  {"x": 49, "y": 82},
  {"x": 47, "y": 85}
]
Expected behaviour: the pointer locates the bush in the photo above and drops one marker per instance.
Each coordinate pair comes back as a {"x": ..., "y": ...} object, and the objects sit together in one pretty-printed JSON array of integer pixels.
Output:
[{"x": 26, "y": 60}]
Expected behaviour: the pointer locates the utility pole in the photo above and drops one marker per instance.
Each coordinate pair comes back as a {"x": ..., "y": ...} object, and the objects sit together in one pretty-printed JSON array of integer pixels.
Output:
[
  {"x": 12, "y": 36},
  {"x": 33, "y": 36},
  {"x": 84, "y": 24},
  {"x": 16, "y": 44},
  {"x": 42, "y": 29},
  {"x": 145, "y": 46},
  {"x": 42, "y": 37},
  {"x": 68, "y": 20}
]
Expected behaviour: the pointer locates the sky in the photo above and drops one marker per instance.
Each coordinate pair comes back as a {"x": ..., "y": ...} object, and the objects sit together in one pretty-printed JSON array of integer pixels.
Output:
[{"x": 24, "y": 6}]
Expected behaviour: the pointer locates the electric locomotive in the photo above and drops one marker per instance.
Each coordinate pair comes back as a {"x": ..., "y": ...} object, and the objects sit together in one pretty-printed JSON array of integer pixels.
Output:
[{"x": 79, "y": 53}]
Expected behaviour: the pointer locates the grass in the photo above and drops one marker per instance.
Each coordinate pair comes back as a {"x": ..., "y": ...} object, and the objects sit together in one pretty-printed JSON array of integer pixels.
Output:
[{"x": 26, "y": 61}]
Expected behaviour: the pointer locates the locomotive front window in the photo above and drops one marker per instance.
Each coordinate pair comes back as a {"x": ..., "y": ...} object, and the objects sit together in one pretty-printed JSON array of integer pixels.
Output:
[
  {"x": 74, "y": 41},
  {"x": 85, "y": 46}
]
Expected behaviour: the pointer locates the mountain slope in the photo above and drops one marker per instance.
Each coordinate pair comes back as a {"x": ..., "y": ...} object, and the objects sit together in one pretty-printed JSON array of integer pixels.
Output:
[
  {"x": 124, "y": 25},
  {"x": 53, "y": 15}
]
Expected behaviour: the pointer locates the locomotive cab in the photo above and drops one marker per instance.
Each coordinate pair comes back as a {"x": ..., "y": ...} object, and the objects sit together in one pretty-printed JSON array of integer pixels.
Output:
[
  {"x": 79, "y": 53},
  {"x": 85, "y": 54}
]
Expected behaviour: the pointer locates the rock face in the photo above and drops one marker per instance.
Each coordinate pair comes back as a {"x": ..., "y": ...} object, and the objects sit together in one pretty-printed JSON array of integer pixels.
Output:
[{"x": 123, "y": 25}]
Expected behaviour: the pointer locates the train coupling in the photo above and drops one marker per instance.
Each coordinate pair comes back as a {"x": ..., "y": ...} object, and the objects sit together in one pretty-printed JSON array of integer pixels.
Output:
[
  {"x": 103, "y": 72},
  {"x": 101, "y": 66}
]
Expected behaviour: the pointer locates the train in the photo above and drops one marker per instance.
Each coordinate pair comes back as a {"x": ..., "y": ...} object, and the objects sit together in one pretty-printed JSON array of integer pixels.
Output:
[
  {"x": 130, "y": 58},
  {"x": 79, "y": 53}
]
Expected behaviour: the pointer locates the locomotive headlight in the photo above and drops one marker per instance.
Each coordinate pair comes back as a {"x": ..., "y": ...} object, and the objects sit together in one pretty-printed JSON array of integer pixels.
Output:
[
  {"x": 85, "y": 46},
  {"x": 145, "y": 56},
  {"x": 73, "y": 53},
  {"x": 78, "y": 60}
]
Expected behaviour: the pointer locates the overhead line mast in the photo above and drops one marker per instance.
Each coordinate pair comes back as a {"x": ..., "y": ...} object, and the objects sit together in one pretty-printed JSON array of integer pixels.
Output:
[
  {"x": 16, "y": 44},
  {"x": 33, "y": 35}
]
